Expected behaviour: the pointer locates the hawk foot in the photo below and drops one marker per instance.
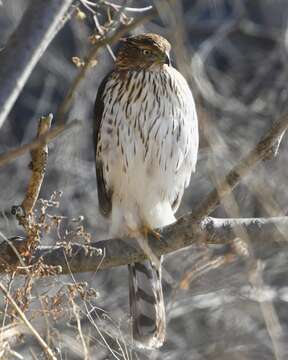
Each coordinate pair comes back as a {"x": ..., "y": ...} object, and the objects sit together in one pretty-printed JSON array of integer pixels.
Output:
[
  {"x": 147, "y": 231},
  {"x": 144, "y": 231}
]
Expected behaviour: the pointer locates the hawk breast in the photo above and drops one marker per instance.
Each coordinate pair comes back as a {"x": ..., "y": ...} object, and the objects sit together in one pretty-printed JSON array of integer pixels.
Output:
[{"x": 146, "y": 137}]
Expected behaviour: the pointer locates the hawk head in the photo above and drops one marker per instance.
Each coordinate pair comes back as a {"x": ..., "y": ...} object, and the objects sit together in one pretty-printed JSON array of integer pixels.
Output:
[{"x": 142, "y": 52}]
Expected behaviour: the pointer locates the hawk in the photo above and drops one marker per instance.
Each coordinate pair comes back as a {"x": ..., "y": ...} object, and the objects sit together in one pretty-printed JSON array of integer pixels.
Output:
[{"x": 146, "y": 144}]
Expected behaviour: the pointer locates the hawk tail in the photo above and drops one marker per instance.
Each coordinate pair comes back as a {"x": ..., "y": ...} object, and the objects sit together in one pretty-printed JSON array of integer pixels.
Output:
[{"x": 147, "y": 304}]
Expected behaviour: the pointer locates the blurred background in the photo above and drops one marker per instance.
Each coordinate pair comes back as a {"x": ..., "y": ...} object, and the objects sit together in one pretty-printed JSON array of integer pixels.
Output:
[{"x": 234, "y": 55}]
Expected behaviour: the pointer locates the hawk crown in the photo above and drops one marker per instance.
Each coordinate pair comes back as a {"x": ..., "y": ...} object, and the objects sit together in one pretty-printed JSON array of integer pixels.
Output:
[{"x": 142, "y": 52}]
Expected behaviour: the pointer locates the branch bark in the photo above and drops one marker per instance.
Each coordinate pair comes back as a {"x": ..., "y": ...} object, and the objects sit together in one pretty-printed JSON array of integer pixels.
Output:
[
  {"x": 105, "y": 254},
  {"x": 38, "y": 163},
  {"x": 25, "y": 212},
  {"x": 39, "y": 25}
]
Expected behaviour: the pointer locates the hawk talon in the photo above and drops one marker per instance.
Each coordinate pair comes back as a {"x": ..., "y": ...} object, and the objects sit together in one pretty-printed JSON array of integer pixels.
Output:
[
  {"x": 155, "y": 234},
  {"x": 147, "y": 232}
]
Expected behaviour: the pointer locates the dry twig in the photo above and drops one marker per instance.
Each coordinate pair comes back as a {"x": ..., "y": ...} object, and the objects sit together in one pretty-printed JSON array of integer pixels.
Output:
[
  {"x": 23, "y": 317},
  {"x": 107, "y": 40},
  {"x": 269, "y": 312},
  {"x": 24, "y": 212},
  {"x": 242, "y": 168},
  {"x": 11, "y": 155},
  {"x": 38, "y": 166}
]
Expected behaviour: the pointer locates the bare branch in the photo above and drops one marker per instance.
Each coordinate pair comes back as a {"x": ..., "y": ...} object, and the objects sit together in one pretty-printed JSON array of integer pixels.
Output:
[
  {"x": 260, "y": 152},
  {"x": 41, "y": 140},
  {"x": 39, "y": 162},
  {"x": 39, "y": 25},
  {"x": 24, "y": 212},
  {"x": 105, "y": 254}
]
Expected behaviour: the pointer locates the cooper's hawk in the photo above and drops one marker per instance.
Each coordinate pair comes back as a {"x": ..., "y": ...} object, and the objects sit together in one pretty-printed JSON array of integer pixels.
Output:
[{"x": 146, "y": 143}]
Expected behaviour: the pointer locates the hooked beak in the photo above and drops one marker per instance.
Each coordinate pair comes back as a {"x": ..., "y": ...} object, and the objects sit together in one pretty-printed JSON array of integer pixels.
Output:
[{"x": 167, "y": 59}]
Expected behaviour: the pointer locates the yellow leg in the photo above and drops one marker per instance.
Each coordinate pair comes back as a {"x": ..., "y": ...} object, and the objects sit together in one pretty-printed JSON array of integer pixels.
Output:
[{"x": 144, "y": 231}]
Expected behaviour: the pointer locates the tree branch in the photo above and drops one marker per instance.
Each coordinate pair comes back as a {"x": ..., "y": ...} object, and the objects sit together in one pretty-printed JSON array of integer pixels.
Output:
[
  {"x": 24, "y": 212},
  {"x": 11, "y": 155},
  {"x": 260, "y": 152},
  {"x": 40, "y": 23},
  {"x": 116, "y": 252},
  {"x": 38, "y": 164}
]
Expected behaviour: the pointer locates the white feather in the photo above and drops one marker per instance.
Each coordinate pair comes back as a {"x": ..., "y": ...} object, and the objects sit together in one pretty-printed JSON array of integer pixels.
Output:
[{"x": 146, "y": 183}]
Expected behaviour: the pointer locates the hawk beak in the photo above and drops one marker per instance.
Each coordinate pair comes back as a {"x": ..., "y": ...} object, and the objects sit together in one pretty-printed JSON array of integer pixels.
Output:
[{"x": 167, "y": 59}]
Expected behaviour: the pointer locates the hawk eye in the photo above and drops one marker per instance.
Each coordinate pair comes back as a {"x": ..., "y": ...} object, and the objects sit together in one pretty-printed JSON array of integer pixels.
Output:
[{"x": 146, "y": 52}]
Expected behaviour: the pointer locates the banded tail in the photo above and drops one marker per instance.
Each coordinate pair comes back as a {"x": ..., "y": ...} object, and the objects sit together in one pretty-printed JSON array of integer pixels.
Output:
[{"x": 147, "y": 304}]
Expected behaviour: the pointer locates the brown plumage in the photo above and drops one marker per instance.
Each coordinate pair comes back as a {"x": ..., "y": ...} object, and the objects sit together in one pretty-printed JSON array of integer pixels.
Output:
[
  {"x": 146, "y": 141},
  {"x": 142, "y": 51}
]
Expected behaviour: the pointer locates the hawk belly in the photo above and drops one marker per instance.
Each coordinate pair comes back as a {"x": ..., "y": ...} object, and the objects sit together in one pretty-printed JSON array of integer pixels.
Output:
[{"x": 148, "y": 143}]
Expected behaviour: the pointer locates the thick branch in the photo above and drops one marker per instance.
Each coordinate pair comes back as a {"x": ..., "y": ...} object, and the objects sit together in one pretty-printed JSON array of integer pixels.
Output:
[
  {"x": 39, "y": 25},
  {"x": 115, "y": 252}
]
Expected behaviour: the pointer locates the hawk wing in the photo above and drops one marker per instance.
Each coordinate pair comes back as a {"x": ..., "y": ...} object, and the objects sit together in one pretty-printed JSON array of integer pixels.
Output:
[{"x": 104, "y": 194}]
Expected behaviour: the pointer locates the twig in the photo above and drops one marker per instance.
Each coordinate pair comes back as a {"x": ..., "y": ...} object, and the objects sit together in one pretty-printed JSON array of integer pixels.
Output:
[
  {"x": 204, "y": 266},
  {"x": 11, "y": 250},
  {"x": 24, "y": 212},
  {"x": 273, "y": 152},
  {"x": 108, "y": 40},
  {"x": 88, "y": 313},
  {"x": 128, "y": 9},
  {"x": 79, "y": 327},
  {"x": 15, "y": 354},
  {"x": 38, "y": 164},
  {"x": 242, "y": 168},
  {"x": 268, "y": 310},
  {"x": 204, "y": 86},
  {"x": 11, "y": 155},
  {"x": 23, "y": 317},
  {"x": 38, "y": 26},
  {"x": 88, "y": 5},
  {"x": 269, "y": 313}
]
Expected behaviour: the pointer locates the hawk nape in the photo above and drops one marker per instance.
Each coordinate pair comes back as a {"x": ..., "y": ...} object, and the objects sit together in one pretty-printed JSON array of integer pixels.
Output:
[{"x": 146, "y": 144}]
